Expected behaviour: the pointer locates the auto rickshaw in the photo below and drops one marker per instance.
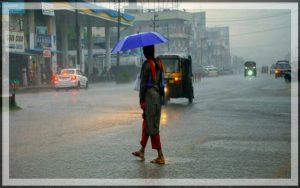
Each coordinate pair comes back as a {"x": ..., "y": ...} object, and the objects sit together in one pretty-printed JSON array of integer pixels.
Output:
[
  {"x": 250, "y": 69},
  {"x": 178, "y": 76}
]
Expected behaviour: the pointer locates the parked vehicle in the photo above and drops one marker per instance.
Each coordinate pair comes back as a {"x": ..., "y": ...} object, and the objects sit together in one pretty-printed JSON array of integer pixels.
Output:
[
  {"x": 70, "y": 78},
  {"x": 281, "y": 67},
  {"x": 250, "y": 69},
  {"x": 211, "y": 71},
  {"x": 178, "y": 76}
]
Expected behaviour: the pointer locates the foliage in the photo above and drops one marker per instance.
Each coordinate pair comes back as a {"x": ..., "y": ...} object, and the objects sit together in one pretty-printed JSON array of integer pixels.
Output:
[{"x": 122, "y": 77}]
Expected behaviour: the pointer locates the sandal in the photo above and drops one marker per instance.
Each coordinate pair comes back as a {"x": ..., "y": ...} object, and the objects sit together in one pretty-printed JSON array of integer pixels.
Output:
[
  {"x": 139, "y": 154},
  {"x": 158, "y": 160}
]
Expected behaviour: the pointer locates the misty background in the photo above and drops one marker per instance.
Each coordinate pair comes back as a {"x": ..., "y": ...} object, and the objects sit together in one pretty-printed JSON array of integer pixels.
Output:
[{"x": 262, "y": 35}]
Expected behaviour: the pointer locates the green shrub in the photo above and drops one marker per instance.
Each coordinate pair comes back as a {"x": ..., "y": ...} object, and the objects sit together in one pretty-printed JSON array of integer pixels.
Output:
[{"x": 123, "y": 77}]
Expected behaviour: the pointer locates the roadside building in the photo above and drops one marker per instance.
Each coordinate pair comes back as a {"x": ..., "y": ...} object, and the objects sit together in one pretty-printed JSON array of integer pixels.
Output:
[
  {"x": 198, "y": 37},
  {"x": 173, "y": 24},
  {"x": 32, "y": 52},
  {"x": 91, "y": 18},
  {"x": 48, "y": 36},
  {"x": 18, "y": 58},
  {"x": 185, "y": 30},
  {"x": 217, "y": 48}
]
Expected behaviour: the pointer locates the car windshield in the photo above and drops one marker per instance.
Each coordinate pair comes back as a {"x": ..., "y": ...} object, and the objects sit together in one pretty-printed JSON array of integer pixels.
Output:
[
  {"x": 171, "y": 65},
  {"x": 66, "y": 71},
  {"x": 283, "y": 65},
  {"x": 250, "y": 64}
]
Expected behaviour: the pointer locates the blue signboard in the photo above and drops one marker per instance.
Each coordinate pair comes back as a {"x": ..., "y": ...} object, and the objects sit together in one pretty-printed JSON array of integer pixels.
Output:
[
  {"x": 13, "y": 7},
  {"x": 43, "y": 41}
]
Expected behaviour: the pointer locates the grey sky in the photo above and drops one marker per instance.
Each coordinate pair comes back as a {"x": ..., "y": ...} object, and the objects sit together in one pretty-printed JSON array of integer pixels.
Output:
[
  {"x": 258, "y": 31},
  {"x": 260, "y": 35}
]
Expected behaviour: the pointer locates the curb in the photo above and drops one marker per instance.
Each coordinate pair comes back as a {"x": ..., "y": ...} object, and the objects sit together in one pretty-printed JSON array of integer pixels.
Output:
[{"x": 34, "y": 89}]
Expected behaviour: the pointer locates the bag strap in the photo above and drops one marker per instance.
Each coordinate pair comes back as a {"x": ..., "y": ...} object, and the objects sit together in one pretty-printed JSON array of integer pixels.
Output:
[{"x": 152, "y": 68}]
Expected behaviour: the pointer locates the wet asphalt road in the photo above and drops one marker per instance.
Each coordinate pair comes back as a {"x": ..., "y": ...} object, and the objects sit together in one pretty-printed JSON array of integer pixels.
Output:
[{"x": 236, "y": 128}]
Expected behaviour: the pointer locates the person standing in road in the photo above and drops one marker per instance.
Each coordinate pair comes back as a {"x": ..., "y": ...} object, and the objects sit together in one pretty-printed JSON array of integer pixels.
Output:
[{"x": 150, "y": 95}]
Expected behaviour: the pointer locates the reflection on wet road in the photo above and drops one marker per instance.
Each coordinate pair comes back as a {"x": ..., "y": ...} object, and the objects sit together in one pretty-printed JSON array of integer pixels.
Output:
[{"x": 236, "y": 128}]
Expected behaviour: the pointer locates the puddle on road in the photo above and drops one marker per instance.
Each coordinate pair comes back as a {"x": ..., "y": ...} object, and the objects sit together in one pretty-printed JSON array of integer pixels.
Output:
[
  {"x": 169, "y": 115},
  {"x": 163, "y": 117}
]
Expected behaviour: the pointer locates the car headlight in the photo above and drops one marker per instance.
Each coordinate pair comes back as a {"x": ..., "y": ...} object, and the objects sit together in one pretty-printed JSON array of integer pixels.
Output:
[{"x": 250, "y": 73}]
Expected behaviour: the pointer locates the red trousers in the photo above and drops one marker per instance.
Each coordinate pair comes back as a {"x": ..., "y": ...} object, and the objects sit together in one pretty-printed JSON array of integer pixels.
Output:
[{"x": 155, "y": 140}]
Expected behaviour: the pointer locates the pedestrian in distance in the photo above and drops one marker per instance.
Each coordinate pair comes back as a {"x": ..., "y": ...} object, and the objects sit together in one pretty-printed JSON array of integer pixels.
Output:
[{"x": 151, "y": 98}]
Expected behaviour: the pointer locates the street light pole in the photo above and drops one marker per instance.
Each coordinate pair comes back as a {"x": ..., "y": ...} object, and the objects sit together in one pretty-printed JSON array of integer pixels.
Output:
[
  {"x": 78, "y": 48},
  {"x": 168, "y": 37},
  {"x": 118, "y": 37},
  {"x": 154, "y": 22}
]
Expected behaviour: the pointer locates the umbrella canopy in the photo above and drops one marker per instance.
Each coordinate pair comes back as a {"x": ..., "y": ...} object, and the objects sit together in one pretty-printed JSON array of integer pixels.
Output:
[{"x": 139, "y": 40}]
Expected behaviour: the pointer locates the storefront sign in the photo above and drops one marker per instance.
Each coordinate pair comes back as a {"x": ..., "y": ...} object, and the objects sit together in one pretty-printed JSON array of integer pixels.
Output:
[
  {"x": 13, "y": 8},
  {"x": 47, "y": 52},
  {"x": 47, "y": 9},
  {"x": 41, "y": 30},
  {"x": 16, "y": 41},
  {"x": 43, "y": 41}
]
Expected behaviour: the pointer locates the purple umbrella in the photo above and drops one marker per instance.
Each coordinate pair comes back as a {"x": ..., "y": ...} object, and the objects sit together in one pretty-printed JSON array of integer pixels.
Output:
[{"x": 139, "y": 40}]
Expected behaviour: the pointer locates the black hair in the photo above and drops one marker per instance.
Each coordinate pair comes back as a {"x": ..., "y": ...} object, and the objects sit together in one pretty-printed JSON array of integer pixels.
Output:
[{"x": 148, "y": 51}]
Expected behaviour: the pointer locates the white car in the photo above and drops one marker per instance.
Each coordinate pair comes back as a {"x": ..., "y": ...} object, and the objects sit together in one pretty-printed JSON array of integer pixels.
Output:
[
  {"x": 70, "y": 78},
  {"x": 211, "y": 70}
]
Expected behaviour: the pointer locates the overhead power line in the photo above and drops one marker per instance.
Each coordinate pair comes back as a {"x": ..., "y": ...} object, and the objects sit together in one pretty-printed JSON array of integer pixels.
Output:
[
  {"x": 248, "y": 25},
  {"x": 261, "y": 45},
  {"x": 247, "y": 19},
  {"x": 249, "y": 33},
  {"x": 276, "y": 28}
]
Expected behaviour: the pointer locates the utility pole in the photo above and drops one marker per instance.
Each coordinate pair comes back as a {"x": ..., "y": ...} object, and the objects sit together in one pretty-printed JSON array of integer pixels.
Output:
[
  {"x": 78, "y": 38},
  {"x": 168, "y": 34},
  {"x": 155, "y": 19},
  {"x": 118, "y": 37}
]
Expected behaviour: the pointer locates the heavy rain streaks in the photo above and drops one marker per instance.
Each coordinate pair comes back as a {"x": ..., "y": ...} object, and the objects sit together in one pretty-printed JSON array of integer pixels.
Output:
[{"x": 224, "y": 134}]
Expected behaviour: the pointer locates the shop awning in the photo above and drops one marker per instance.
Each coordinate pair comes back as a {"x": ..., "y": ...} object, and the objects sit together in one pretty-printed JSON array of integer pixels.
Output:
[
  {"x": 40, "y": 50},
  {"x": 35, "y": 51},
  {"x": 23, "y": 53},
  {"x": 90, "y": 9}
]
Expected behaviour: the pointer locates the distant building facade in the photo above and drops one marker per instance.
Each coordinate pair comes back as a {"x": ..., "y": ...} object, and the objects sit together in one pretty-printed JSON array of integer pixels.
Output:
[
  {"x": 186, "y": 31},
  {"x": 217, "y": 47},
  {"x": 198, "y": 37},
  {"x": 173, "y": 24}
]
